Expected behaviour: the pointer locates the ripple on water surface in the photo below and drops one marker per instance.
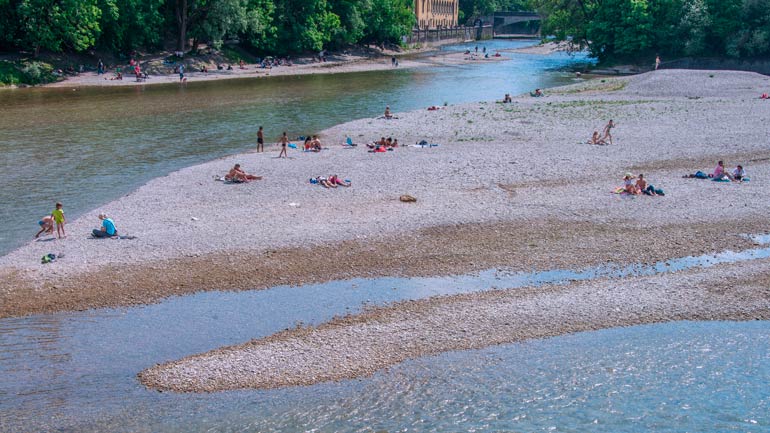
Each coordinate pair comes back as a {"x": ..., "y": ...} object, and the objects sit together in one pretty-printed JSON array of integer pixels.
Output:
[{"x": 686, "y": 376}]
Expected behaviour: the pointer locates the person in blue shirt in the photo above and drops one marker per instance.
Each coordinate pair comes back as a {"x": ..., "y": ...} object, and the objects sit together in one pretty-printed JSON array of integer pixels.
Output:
[{"x": 107, "y": 230}]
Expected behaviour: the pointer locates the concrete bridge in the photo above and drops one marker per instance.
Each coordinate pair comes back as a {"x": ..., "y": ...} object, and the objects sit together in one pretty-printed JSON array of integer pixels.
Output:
[{"x": 516, "y": 23}]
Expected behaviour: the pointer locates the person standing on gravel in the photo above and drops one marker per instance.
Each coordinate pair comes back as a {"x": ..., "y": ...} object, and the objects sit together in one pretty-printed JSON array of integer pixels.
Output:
[
  {"x": 283, "y": 141},
  {"x": 608, "y": 131},
  {"x": 260, "y": 140}
]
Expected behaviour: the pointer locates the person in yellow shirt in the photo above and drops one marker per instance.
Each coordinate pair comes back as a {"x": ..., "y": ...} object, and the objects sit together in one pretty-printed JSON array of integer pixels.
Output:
[{"x": 58, "y": 217}]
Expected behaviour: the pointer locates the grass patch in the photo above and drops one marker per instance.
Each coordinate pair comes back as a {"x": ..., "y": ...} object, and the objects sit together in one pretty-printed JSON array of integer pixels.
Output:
[
  {"x": 604, "y": 85},
  {"x": 591, "y": 103}
]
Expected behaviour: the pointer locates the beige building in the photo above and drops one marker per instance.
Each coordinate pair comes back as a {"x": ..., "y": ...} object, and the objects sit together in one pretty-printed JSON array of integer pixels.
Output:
[{"x": 432, "y": 14}]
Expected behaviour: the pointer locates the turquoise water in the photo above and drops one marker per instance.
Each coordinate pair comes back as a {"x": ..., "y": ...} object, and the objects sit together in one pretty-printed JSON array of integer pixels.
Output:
[
  {"x": 77, "y": 371},
  {"x": 88, "y": 146}
]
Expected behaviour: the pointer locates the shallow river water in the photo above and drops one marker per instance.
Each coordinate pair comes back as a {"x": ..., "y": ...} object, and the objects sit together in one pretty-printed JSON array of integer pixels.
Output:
[
  {"x": 77, "y": 371},
  {"x": 91, "y": 145}
]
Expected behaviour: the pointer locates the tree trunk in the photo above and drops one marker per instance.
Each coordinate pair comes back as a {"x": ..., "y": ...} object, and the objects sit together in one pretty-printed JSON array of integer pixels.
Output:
[{"x": 181, "y": 19}]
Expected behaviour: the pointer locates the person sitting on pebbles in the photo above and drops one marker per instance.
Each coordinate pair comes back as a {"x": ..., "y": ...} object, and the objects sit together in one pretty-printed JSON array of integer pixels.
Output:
[
  {"x": 739, "y": 174},
  {"x": 596, "y": 139},
  {"x": 237, "y": 175},
  {"x": 388, "y": 114},
  {"x": 107, "y": 230},
  {"x": 507, "y": 98},
  {"x": 628, "y": 184}
]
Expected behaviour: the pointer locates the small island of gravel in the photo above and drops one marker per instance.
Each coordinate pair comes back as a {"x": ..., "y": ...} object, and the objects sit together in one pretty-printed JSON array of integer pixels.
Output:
[{"x": 511, "y": 186}]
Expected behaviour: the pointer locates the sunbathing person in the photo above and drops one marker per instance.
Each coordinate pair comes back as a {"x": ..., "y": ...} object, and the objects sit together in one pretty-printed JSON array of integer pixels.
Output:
[
  {"x": 739, "y": 174},
  {"x": 395, "y": 142},
  {"x": 595, "y": 139},
  {"x": 237, "y": 175},
  {"x": 335, "y": 180},
  {"x": 643, "y": 187},
  {"x": 316, "y": 144},
  {"x": 628, "y": 184},
  {"x": 388, "y": 114},
  {"x": 324, "y": 182},
  {"x": 308, "y": 144},
  {"x": 720, "y": 172},
  {"x": 376, "y": 144},
  {"x": 507, "y": 99}
]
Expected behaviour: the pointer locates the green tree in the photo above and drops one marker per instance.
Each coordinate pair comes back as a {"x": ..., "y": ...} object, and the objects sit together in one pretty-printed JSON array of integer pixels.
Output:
[
  {"x": 130, "y": 24},
  {"x": 353, "y": 25},
  {"x": 8, "y": 24},
  {"x": 388, "y": 21},
  {"x": 301, "y": 25},
  {"x": 471, "y": 9},
  {"x": 621, "y": 29},
  {"x": 694, "y": 26},
  {"x": 566, "y": 19},
  {"x": 58, "y": 24},
  {"x": 753, "y": 38}
]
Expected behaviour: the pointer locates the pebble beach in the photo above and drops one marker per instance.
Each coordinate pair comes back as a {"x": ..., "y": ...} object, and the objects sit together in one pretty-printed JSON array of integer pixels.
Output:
[{"x": 509, "y": 186}]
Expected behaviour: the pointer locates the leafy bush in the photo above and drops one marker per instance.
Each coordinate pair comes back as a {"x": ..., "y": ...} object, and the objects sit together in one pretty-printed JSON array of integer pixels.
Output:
[
  {"x": 25, "y": 72},
  {"x": 9, "y": 74}
]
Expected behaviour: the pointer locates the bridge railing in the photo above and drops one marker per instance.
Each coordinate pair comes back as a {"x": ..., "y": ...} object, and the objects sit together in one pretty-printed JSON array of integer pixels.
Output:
[{"x": 429, "y": 36}]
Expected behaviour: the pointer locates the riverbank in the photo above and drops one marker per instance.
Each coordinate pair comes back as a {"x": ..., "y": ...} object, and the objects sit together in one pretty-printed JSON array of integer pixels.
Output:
[
  {"x": 336, "y": 63},
  {"x": 502, "y": 190}
]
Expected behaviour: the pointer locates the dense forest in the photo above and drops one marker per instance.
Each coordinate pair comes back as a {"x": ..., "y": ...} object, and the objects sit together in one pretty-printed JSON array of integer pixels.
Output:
[
  {"x": 628, "y": 30},
  {"x": 268, "y": 26},
  {"x": 612, "y": 30}
]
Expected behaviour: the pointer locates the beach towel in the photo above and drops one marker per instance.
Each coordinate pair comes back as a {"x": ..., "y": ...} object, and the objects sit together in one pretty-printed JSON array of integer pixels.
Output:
[
  {"x": 292, "y": 145},
  {"x": 227, "y": 181},
  {"x": 721, "y": 179}
]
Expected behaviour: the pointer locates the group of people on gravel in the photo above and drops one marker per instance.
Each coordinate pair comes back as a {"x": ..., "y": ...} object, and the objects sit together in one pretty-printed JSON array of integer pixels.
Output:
[
  {"x": 605, "y": 137},
  {"x": 56, "y": 219},
  {"x": 720, "y": 174}
]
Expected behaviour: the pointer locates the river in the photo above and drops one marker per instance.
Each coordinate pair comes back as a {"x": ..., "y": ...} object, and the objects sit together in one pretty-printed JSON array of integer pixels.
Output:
[
  {"x": 88, "y": 146},
  {"x": 77, "y": 371}
]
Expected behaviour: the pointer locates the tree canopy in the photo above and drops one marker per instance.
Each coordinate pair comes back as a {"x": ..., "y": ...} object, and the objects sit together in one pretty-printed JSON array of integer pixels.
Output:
[
  {"x": 270, "y": 26},
  {"x": 620, "y": 30}
]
